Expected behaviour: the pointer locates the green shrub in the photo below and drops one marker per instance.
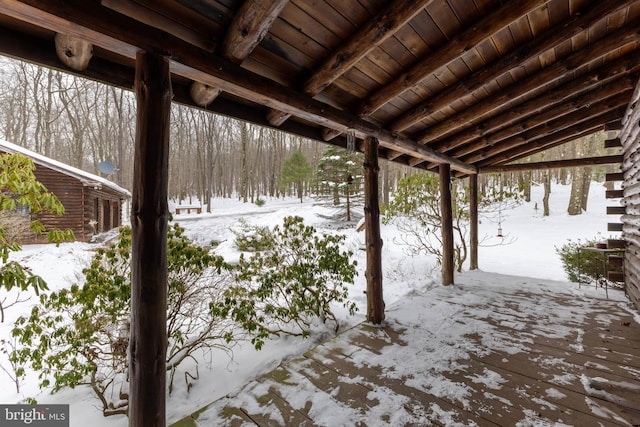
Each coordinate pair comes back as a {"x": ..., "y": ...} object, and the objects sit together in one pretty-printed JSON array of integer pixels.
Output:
[
  {"x": 294, "y": 281},
  {"x": 252, "y": 238},
  {"x": 80, "y": 335},
  {"x": 581, "y": 266}
]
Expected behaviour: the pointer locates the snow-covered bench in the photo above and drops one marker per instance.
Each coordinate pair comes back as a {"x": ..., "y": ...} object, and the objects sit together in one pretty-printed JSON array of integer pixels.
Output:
[{"x": 188, "y": 208}]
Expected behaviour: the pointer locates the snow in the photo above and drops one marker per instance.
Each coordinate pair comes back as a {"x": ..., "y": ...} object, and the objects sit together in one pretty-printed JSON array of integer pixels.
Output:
[
  {"x": 412, "y": 295},
  {"x": 88, "y": 178}
]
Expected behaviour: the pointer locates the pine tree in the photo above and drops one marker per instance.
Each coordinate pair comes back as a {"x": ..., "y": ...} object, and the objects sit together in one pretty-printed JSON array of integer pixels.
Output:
[
  {"x": 339, "y": 177},
  {"x": 296, "y": 171}
]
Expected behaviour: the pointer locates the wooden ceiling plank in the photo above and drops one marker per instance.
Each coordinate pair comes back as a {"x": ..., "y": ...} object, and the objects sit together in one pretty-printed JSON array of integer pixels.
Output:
[
  {"x": 576, "y": 116},
  {"x": 363, "y": 41},
  {"x": 555, "y": 164},
  {"x": 619, "y": 88},
  {"x": 32, "y": 49},
  {"x": 125, "y": 36},
  {"x": 525, "y": 151},
  {"x": 522, "y": 54},
  {"x": 629, "y": 34},
  {"x": 448, "y": 53},
  {"x": 619, "y": 68},
  {"x": 148, "y": 16},
  {"x": 28, "y": 48},
  {"x": 557, "y": 138},
  {"x": 249, "y": 26},
  {"x": 25, "y": 12}
]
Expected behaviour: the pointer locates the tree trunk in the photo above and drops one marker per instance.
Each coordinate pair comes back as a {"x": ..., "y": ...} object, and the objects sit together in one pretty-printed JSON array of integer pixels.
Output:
[
  {"x": 348, "y": 202},
  {"x": 577, "y": 186},
  {"x": 547, "y": 191},
  {"x": 446, "y": 212},
  {"x": 586, "y": 184},
  {"x": 473, "y": 221},
  {"x": 386, "y": 186},
  {"x": 375, "y": 300},
  {"x": 150, "y": 213},
  {"x": 244, "y": 173}
]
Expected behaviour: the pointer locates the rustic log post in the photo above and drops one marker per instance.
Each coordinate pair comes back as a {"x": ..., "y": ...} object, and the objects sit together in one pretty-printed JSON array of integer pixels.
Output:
[
  {"x": 375, "y": 300},
  {"x": 473, "y": 221},
  {"x": 149, "y": 217},
  {"x": 446, "y": 212}
]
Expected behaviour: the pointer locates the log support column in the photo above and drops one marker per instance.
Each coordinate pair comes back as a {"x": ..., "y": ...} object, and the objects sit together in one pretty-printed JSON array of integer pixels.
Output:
[
  {"x": 375, "y": 301},
  {"x": 446, "y": 212},
  {"x": 473, "y": 221},
  {"x": 149, "y": 217}
]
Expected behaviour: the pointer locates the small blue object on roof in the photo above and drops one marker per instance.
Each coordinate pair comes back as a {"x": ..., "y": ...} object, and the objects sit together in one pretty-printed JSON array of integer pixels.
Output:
[{"x": 106, "y": 167}]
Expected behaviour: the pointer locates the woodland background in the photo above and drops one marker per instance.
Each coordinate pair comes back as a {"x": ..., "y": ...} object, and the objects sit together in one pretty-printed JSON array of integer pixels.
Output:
[{"x": 82, "y": 123}]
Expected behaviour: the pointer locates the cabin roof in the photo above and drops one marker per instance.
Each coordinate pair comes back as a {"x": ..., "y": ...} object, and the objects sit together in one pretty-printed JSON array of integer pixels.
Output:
[
  {"x": 87, "y": 179},
  {"x": 476, "y": 84}
]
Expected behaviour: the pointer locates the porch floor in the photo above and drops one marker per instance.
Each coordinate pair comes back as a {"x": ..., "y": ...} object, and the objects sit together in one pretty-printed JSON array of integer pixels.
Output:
[{"x": 478, "y": 353}]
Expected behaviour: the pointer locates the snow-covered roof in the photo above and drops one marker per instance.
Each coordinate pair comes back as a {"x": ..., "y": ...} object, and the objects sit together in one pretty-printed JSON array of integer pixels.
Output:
[{"x": 88, "y": 179}]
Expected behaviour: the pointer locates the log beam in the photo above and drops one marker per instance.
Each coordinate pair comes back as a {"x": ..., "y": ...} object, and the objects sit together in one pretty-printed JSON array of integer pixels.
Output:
[
  {"x": 448, "y": 53},
  {"x": 555, "y": 118},
  {"x": 473, "y": 222},
  {"x": 375, "y": 300},
  {"x": 622, "y": 67},
  {"x": 149, "y": 218},
  {"x": 107, "y": 29},
  {"x": 588, "y": 127},
  {"x": 547, "y": 128},
  {"x": 574, "y": 64},
  {"x": 249, "y": 26},
  {"x": 555, "y": 164},
  {"x": 542, "y": 43},
  {"x": 384, "y": 25},
  {"x": 446, "y": 213}
]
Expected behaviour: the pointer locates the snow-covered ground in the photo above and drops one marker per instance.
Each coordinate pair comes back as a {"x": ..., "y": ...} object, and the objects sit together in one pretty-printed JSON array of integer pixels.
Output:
[{"x": 531, "y": 254}]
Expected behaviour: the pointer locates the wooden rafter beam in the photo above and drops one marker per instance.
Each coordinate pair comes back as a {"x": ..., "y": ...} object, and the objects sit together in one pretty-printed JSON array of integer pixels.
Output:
[
  {"x": 28, "y": 48},
  {"x": 249, "y": 26},
  {"x": 34, "y": 50},
  {"x": 549, "y": 121},
  {"x": 551, "y": 38},
  {"x": 567, "y": 69},
  {"x": 443, "y": 56},
  {"x": 247, "y": 29},
  {"x": 587, "y": 127},
  {"x": 117, "y": 33},
  {"x": 384, "y": 25},
  {"x": 620, "y": 68},
  {"x": 554, "y": 164},
  {"x": 148, "y": 16},
  {"x": 475, "y": 34},
  {"x": 556, "y": 127}
]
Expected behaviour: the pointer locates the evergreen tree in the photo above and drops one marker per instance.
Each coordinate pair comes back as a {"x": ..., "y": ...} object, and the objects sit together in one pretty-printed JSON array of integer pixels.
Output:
[
  {"x": 339, "y": 177},
  {"x": 296, "y": 170}
]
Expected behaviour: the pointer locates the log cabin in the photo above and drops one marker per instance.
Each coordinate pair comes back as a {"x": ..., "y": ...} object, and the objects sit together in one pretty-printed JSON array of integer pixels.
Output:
[
  {"x": 92, "y": 204},
  {"x": 456, "y": 87}
]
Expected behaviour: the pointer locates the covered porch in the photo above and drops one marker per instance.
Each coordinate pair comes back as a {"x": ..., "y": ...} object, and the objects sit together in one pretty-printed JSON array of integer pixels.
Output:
[
  {"x": 491, "y": 350},
  {"x": 435, "y": 85}
]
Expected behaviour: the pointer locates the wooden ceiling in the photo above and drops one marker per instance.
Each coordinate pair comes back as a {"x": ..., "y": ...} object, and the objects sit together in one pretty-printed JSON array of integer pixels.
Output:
[{"x": 474, "y": 83}]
